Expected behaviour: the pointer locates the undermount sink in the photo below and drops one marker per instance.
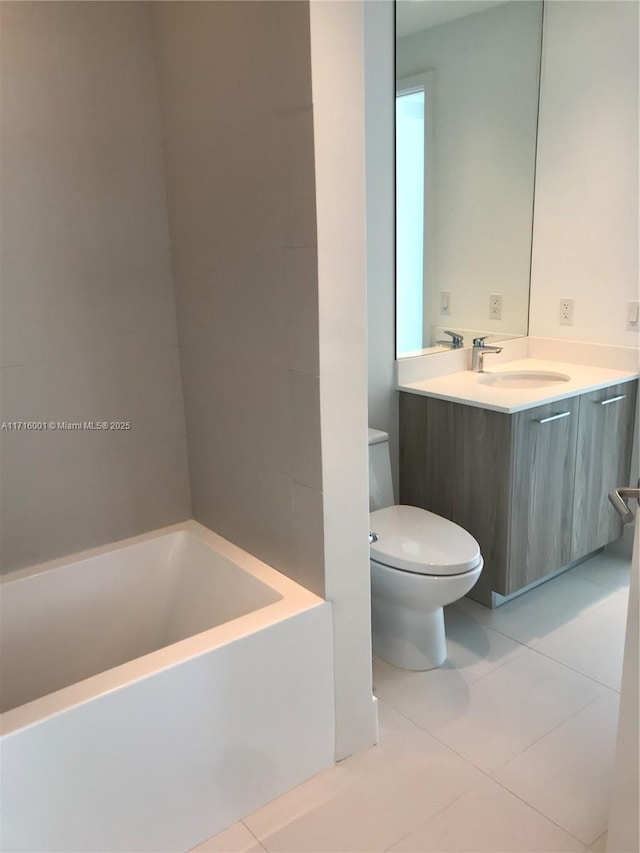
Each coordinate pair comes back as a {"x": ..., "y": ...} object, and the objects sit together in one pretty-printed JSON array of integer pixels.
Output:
[{"x": 512, "y": 379}]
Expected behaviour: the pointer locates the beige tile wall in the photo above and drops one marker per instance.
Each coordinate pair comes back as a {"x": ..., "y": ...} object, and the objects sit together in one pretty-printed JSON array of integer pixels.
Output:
[
  {"x": 87, "y": 314},
  {"x": 235, "y": 91}
]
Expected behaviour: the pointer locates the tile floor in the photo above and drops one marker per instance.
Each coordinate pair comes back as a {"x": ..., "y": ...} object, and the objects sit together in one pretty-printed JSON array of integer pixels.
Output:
[{"x": 507, "y": 747}]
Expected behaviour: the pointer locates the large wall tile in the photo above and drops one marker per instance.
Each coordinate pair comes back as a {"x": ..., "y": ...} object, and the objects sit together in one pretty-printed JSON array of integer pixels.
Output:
[
  {"x": 292, "y": 72},
  {"x": 104, "y": 64},
  {"x": 245, "y": 407},
  {"x": 222, "y": 54},
  {"x": 64, "y": 305},
  {"x": 236, "y": 495},
  {"x": 119, "y": 195},
  {"x": 223, "y": 187},
  {"x": 44, "y": 308},
  {"x": 88, "y": 328},
  {"x": 149, "y": 485},
  {"x": 85, "y": 494},
  {"x": 141, "y": 283},
  {"x": 30, "y": 78},
  {"x": 309, "y": 538},
  {"x": 296, "y": 178},
  {"x": 37, "y": 205},
  {"x": 235, "y": 94},
  {"x": 53, "y": 503},
  {"x": 305, "y": 429},
  {"x": 300, "y": 270}
]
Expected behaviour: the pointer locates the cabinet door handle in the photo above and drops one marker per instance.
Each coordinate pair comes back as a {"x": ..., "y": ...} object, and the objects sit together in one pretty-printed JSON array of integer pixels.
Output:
[
  {"x": 553, "y": 418},
  {"x": 613, "y": 400}
]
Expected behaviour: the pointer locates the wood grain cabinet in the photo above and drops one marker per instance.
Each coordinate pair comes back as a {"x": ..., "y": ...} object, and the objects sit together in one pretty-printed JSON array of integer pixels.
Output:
[
  {"x": 603, "y": 459},
  {"x": 531, "y": 487}
]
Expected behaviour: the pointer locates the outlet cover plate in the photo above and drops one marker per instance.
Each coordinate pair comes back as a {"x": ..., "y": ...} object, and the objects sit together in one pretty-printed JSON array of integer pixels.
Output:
[
  {"x": 566, "y": 311},
  {"x": 495, "y": 306}
]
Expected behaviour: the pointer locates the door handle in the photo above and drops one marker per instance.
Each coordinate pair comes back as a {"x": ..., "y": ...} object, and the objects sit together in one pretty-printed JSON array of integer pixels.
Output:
[{"x": 619, "y": 498}]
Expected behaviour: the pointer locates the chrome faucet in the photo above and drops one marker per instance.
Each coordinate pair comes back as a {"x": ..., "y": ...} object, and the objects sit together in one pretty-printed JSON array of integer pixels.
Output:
[
  {"x": 478, "y": 353},
  {"x": 456, "y": 340}
]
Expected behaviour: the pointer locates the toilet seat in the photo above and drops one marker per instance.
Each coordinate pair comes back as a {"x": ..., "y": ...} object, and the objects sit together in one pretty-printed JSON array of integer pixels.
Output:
[{"x": 415, "y": 540}]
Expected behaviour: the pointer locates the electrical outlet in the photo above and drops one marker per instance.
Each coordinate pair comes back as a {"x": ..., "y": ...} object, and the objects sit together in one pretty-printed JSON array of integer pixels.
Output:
[
  {"x": 566, "y": 311},
  {"x": 495, "y": 306},
  {"x": 445, "y": 302},
  {"x": 633, "y": 316}
]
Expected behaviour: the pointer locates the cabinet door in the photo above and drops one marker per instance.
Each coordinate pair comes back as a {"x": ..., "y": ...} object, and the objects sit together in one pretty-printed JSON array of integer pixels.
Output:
[
  {"x": 544, "y": 457},
  {"x": 603, "y": 461},
  {"x": 455, "y": 461}
]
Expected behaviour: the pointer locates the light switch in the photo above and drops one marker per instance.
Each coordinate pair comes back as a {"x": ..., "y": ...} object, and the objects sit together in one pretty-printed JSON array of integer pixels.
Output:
[
  {"x": 445, "y": 302},
  {"x": 633, "y": 315}
]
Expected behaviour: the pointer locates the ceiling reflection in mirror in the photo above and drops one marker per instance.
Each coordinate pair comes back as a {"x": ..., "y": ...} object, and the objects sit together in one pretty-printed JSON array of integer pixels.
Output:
[{"x": 467, "y": 83}]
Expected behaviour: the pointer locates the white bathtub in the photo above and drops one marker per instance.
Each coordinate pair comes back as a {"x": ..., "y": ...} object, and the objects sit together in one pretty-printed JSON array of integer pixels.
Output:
[{"x": 155, "y": 691}]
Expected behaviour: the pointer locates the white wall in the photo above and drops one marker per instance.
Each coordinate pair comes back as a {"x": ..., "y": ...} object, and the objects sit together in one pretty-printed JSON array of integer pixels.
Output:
[
  {"x": 338, "y": 96},
  {"x": 586, "y": 210},
  {"x": 484, "y": 113},
  {"x": 379, "y": 112}
]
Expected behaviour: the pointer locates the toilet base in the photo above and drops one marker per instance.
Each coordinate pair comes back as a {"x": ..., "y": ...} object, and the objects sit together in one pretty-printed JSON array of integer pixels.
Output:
[
  {"x": 410, "y": 640},
  {"x": 407, "y": 616}
]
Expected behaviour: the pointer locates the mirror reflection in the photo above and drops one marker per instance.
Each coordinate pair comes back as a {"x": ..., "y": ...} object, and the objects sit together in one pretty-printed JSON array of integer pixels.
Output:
[{"x": 467, "y": 81}]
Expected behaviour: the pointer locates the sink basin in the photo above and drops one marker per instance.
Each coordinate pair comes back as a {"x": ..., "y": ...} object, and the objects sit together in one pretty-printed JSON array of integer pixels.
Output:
[{"x": 512, "y": 379}]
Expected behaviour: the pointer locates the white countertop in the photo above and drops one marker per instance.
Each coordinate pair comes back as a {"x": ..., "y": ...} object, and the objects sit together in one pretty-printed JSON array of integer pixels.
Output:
[{"x": 464, "y": 387}]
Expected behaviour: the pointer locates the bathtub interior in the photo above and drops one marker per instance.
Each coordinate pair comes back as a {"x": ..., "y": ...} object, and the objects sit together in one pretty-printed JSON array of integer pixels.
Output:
[{"x": 65, "y": 624}]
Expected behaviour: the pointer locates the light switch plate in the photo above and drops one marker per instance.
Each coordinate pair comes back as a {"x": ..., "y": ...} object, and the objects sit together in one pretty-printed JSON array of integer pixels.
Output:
[{"x": 633, "y": 315}]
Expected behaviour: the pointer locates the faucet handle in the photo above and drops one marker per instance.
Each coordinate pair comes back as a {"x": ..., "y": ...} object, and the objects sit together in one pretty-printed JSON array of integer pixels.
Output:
[
  {"x": 479, "y": 342},
  {"x": 456, "y": 339}
]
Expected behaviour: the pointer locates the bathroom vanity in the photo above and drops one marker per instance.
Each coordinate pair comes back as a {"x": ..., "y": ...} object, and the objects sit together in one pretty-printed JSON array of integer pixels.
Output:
[{"x": 526, "y": 470}]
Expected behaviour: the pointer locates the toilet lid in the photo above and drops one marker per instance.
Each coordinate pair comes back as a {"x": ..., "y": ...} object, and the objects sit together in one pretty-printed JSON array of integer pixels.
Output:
[{"x": 419, "y": 541}]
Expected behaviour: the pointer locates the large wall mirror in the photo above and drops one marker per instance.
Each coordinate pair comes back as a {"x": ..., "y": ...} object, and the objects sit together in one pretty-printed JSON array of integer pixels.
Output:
[{"x": 467, "y": 85}]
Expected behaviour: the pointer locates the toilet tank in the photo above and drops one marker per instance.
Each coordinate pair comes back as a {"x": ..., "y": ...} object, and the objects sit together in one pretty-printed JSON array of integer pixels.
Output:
[{"x": 380, "y": 482}]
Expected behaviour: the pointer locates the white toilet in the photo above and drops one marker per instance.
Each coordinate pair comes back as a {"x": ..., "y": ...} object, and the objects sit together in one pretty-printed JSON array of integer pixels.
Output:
[{"x": 419, "y": 563}]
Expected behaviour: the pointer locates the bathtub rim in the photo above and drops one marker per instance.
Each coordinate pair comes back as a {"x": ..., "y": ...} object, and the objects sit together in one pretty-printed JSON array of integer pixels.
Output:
[{"x": 294, "y": 599}]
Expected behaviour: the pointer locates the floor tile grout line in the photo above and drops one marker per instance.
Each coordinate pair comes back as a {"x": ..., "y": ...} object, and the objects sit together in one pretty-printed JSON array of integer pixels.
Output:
[
  {"x": 596, "y": 604},
  {"x": 251, "y": 833},
  {"x": 547, "y": 657},
  {"x": 480, "y": 677},
  {"x": 599, "y": 837},
  {"x": 567, "y": 575},
  {"x": 551, "y": 730},
  {"x": 488, "y": 776},
  {"x": 446, "y": 745},
  {"x": 505, "y": 662},
  {"x": 437, "y": 812},
  {"x": 577, "y": 671},
  {"x": 542, "y": 654},
  {"x": 526, "y": 749},
  {"x": 502, "y": 633},
  {"x": 537, "y": 810},
  {"x": 618, "y": 589},
  {"x": 488, "y": 773}
]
